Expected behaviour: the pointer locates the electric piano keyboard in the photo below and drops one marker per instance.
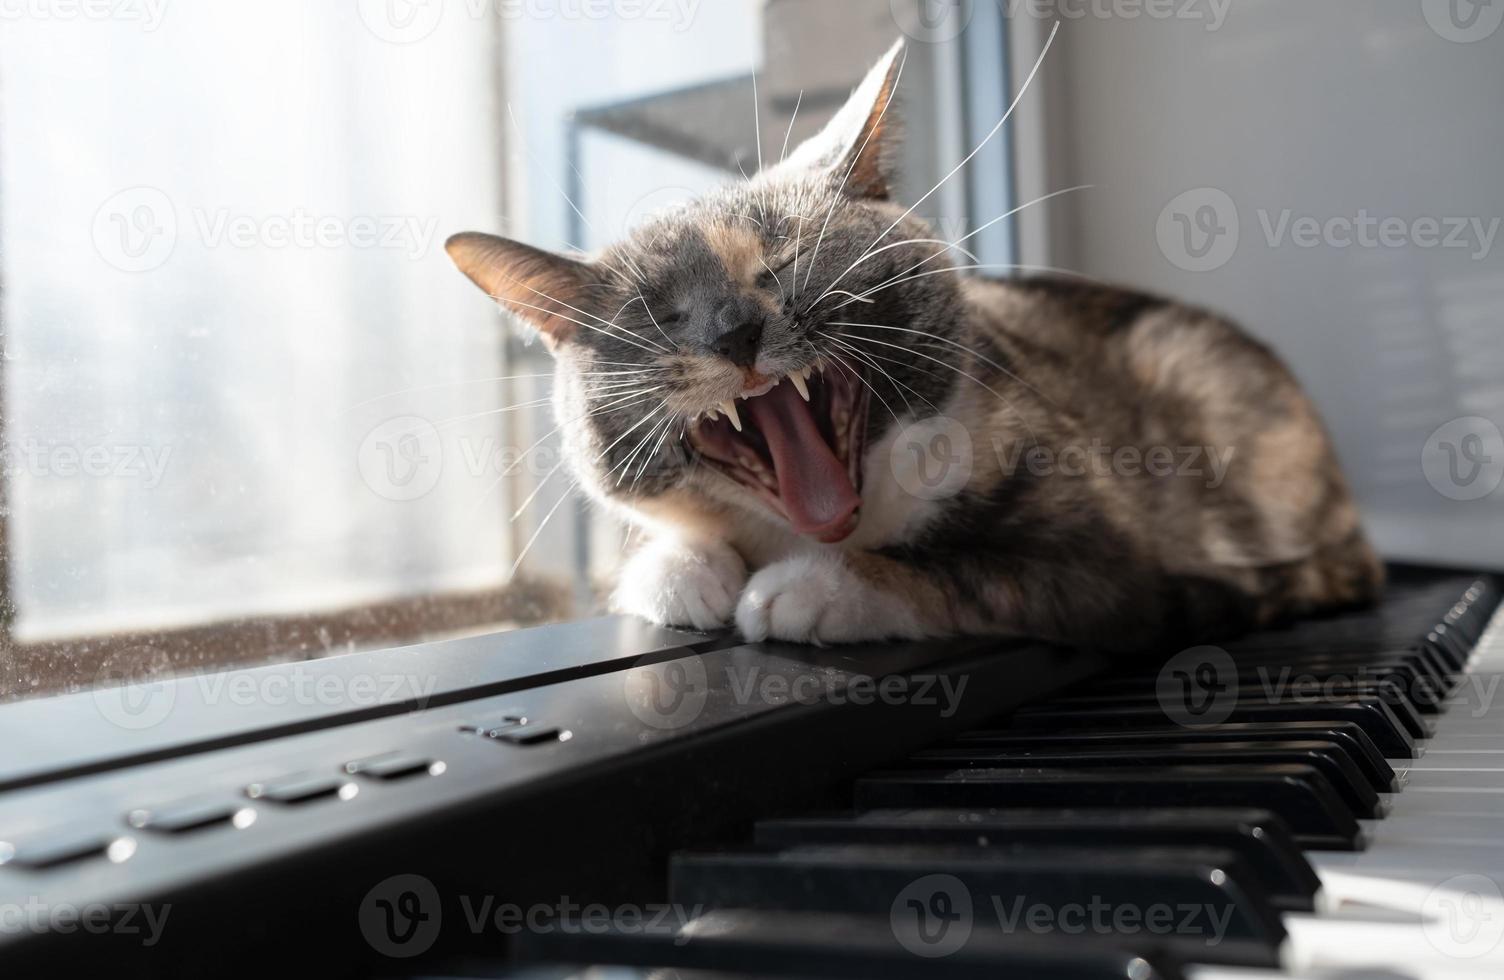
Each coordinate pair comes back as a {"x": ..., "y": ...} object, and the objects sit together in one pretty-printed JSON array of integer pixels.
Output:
[
  {"x": 1315, "y": 802},
  {"x": 1326, "y": 801}
]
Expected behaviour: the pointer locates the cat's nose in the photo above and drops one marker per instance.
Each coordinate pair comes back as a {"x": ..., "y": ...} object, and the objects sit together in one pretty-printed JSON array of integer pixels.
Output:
[{"x": 738, "y": 334}]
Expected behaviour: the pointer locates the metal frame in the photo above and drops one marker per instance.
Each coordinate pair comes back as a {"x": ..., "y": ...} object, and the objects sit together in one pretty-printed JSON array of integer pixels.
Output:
[{"x": 987, "y": 91}]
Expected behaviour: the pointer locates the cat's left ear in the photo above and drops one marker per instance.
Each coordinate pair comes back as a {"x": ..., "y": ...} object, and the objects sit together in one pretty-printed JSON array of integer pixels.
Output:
[
  {"x": 861, "y": 143},
  {"x": 547, "y": 291}
]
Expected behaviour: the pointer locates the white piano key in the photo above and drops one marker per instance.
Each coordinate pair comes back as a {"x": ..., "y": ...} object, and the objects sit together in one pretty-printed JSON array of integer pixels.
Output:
[
  {"x": 1436, "y": 863},
  {"x": 1423, "y": 948}
]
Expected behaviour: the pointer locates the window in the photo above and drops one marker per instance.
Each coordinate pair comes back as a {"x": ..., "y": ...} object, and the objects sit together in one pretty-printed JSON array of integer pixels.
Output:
[{"x": 250, "y": 410}]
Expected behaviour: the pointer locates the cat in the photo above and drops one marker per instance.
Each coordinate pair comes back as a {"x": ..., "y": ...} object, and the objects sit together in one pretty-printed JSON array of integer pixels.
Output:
[{"x": 828, "y": 435}]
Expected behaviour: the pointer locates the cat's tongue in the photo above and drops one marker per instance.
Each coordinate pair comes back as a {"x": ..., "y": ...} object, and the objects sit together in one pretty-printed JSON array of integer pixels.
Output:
[{"x": 815, "y": 488}]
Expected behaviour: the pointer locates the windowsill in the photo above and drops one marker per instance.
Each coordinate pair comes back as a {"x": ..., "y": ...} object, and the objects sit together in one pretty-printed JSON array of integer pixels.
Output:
[{"x": 29, "y": 670}]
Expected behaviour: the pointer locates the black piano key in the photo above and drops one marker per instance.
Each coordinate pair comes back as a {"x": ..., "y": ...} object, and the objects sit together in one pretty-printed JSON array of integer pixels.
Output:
[
  {"x": 1370, "y": 713},
  {"x": 1299, "y": 794},
  {"x": 1327, "y": 757},
  {"x": 869, "y": 879},
  {"x": 750, "y": 943},
  {"x": 1410, "y": 679},
  {"x": 1360, "y": 747},
  {"x": 1402, "y": 713},
  {"x": 1261, "y": 840},
  {"x": 1448, "y": 645},
  {"x": 1410, "y": 667}
]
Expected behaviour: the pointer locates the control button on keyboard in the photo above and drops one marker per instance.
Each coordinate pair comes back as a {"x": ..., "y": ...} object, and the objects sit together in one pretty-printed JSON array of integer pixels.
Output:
[
  {"x": 392, "y": 766},
  {"x": 39, "y": 850},
  {"x": 194, "y": 814},
  {"x": 486, "y": 728},
  {"x": 526, "y": 735},
  {"x": 303, "y": 788}
]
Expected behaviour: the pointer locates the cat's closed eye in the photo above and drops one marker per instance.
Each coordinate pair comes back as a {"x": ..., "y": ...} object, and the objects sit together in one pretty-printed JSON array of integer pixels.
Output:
[{"x": 772, "y": 277}]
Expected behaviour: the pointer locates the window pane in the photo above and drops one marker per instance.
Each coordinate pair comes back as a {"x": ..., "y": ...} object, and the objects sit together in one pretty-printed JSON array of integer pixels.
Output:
[
  {"x": 221, "y": 237},
  {"x": 251, "y": 410}
]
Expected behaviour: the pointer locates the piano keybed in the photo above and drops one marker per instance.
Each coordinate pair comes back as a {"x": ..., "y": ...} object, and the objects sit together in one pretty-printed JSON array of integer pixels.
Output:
[{"x": 1315, "y": 802}]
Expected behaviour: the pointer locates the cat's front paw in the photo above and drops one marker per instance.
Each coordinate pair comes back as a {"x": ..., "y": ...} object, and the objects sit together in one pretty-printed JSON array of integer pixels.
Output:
[
  {"x": 819, "y": 599},
  {"x": 674, "y": 584}
]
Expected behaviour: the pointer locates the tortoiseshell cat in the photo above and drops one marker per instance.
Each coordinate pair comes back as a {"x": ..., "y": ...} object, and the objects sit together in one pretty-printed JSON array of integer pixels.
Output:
[{"x": 781, "y": 506}]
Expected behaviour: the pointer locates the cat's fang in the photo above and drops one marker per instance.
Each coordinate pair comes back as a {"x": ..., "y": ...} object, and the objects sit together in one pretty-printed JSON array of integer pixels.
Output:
[
  {"x": 800, "y": 386},
  {"x": 729, "y": 408}
]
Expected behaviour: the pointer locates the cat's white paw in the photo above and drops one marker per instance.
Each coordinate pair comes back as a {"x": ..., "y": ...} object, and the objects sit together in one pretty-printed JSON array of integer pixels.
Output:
[
  {"x": 818, "y": 599},
  {"x": 675, "y": 584}
]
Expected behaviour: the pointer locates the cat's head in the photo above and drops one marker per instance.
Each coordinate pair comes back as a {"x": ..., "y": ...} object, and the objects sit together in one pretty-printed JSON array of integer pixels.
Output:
[{"x": 750, "y": 344}]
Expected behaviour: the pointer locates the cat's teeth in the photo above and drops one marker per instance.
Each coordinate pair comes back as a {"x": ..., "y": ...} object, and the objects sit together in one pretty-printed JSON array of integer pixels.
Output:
[
  {"x": 730, "y": 409},
  {"x": 713, "y": 415},
  {"x": 798, "y": 382}
]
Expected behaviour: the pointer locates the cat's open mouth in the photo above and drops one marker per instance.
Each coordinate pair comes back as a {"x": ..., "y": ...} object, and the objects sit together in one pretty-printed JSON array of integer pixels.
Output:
[{"x": 801, "y": 457}]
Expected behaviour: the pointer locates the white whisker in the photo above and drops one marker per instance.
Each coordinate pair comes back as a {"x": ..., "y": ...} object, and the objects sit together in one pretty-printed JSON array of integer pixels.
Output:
[
  {"x": 871, "y": 359},
  {"x": 1002, "y": 398},
  {"x": 892, "y": 245},
  {"x": 841, "y": 363},
  {"x": 867, "y": 294},
  {"x": 1002, "y": 217},
  {"x": 543, "y": 170},
  {"x": 629, "y": 431},
  {"x": 985, "y": 140},
  {"x": 849, "y": 170},
  {"x": 799, "y": 102},
  {"x": 862, "y": 356},
  {"x": 546, "y": 518},
  {"x": 536, "y": 490},
  {"x": 646, "y": 345},
  {"x": 854, "y": 297},
  {"x": 945, "y": 340}
]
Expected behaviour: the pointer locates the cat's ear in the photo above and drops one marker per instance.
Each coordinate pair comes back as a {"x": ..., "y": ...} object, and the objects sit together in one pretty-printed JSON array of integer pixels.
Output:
[
  {"x": 863, "y": 139},
  {"x": 548, "y": 291}
]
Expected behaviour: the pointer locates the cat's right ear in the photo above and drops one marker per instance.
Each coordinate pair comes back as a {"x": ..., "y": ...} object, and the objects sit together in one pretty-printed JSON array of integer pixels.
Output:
[
  {"x": 550, "y": 292},
  {"x": 861, "y": 143}
]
